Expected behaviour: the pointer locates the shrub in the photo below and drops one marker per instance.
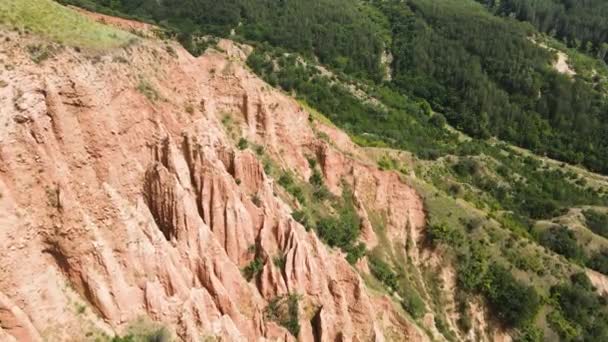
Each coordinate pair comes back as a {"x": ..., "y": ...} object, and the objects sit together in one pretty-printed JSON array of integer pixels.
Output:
[
  {"x": 472, "y": 267},
  {"x": 562, "y": 241},
  {"x": 148, "y": 90},
  {"x": 442, "y": 233},
  {"x": 597, "y": 222},
  {"x": 513, "y": 302},
  {"x": 344, "y": 229},
  {"x": 581, "y": 314},
  {"x": 292, "y": 323},
  {"x": 438, "y": 120},
  {"x": 279, "y": 261},
  {"x": 259, "y": 150},
  {"x": 287, "y": 181},
  {"x": 382, "y": 271},
  {"x": 316, "y": 179},
  {"x": 254, "y": 267},
  {"x": 356, "y": 252},
  {"x": 466, "y": 167},
  {"x": 529, "y": 333},
  {"x": 599, "y": 261},
  {"x": 242, "y": 144},
  {"x": 158, "y": 335},
  {"x": 320, "y": 191},
  {"x": 413, "y": 303},
  {"x": 286, "y": 312}
]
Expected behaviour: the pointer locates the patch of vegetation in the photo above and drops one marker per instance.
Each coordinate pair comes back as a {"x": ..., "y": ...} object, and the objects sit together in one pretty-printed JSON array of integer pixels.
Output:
[
  {"x": 599, "y": 261},
  {"x": 581, "y": 314},
  {"x": 253, "y": 269},
  {"x": 340, "y": 33},
  {"x": 597, "y": 222},
  {"x": 413, "y": 303},
  {"x": 242, "y": 144},
  {"x": 40, "y": 52},
  {"x": 148, "y": 90},
  {"x": 382, "y": 271},
  {"x": 287, "y": 181},
  {"x": 143, "y": 330},
  {"x": 161, "y": 335},
  {"x": 562, "y": 241},
  {"x": 279, "y": 261},
  {"x": 489, "y": 79},
  {"x": 514, "y": 303},
  {"x": 285, "y": 311},
  {"x": 343, "y": 229},
  {"x": 61, "y": 24},
  {"x": 441, "y": 233}
]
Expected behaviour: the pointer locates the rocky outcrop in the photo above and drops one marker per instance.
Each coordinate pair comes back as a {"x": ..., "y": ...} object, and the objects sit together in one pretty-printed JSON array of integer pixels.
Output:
[{"x": 116, "y": 205}]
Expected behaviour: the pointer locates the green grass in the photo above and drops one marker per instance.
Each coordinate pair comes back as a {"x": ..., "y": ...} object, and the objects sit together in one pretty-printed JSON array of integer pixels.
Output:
[
  {"x": 316, "y": 115},
  {"x": 60, "y": 24}
]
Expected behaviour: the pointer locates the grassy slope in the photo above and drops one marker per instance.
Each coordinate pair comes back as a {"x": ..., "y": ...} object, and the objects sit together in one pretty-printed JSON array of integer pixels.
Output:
[{"x": 60, "y": 24}]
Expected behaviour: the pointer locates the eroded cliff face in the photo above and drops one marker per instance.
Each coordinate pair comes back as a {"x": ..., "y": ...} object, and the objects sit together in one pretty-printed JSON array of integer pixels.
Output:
[{"x": 123, "y": 195}]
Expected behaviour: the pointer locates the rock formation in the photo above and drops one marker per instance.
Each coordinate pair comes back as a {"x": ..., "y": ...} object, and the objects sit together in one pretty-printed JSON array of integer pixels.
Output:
[{"x": 123, "y": 195}]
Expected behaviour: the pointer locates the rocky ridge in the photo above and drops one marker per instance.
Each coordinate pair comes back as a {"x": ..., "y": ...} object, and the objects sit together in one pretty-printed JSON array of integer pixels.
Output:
[{"x": 123, "y": 196}]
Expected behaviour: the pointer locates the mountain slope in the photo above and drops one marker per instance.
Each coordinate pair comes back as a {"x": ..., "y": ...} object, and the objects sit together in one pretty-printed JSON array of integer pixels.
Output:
[
  {"x": 149, "y": 194},
  {"x": 124, "y": 194}
]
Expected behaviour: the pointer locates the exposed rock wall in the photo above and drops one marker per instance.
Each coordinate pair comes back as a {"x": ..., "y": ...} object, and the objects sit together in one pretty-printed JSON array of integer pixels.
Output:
[{"x": 115, "y": 205}]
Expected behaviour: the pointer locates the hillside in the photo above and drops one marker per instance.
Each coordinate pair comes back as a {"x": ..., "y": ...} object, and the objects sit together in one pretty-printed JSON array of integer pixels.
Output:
[
  {"x": 164, "y": 188},
  {"x": 263, "y": 191}
]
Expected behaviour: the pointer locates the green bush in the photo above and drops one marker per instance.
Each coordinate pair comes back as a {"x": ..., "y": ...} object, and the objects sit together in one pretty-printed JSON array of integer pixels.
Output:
[
  {"x": 513, "y": 302},
  {"x": 599, "y": 261},
  {"x": 242, "y": 144},
  {"x": 382, "y": 271},
  {"x": 343, "y": 230},
  {"x": 158, "y": 335},
  {"x": 320, "y": 191},
  {"x": 562, "y": 241},
  {"x": 279, "y": 261},
  {"x": 413, "y": 303},
  {"x": 442, "y": 233},
  {"x": 253, "y": 269},
  {"x": 285, "y": 311},
  {"x": 529, "y": 333},
  {"x": 287, "y": 181},
  {"x": 581, "y": 314},
  {"x": 597, "y": 222},
  {"x": 355, "y": 252}
]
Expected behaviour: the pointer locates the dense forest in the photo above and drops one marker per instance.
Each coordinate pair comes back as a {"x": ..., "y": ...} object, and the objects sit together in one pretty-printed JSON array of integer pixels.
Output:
[
  {"x": 346, "y": 34},
  {"x": 580, "y": 24},
  {"x": 490, "y": 79}
]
